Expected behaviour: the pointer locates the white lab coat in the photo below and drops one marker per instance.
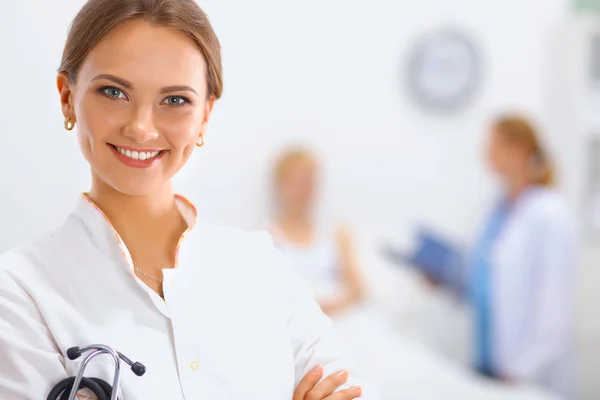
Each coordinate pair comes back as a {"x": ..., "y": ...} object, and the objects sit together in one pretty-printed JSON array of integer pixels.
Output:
[
  {"x": 235, "y": 323},
  {"x": 532, "y": 276}
]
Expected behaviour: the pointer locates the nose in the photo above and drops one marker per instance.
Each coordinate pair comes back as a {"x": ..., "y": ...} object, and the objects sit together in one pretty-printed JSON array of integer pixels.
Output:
[{"x": 141, "y": 127}]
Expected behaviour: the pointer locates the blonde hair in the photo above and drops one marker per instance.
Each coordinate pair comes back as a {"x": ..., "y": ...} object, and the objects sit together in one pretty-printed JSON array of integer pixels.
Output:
[
  {"x": 288, "y": 160},
  {"x": 518, "y": 130}
]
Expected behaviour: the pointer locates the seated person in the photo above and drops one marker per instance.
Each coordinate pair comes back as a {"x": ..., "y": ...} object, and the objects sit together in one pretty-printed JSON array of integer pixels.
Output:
[{"x": 322, "y": 253}]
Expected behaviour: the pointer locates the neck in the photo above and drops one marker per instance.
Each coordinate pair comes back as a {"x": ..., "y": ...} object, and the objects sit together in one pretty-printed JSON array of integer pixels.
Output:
[
  {"x": 517, "y": 185},
  {"x": 137, "y": 219},
  {"x": 120, "y": 206},
  {"x": 296, "y": 227}
]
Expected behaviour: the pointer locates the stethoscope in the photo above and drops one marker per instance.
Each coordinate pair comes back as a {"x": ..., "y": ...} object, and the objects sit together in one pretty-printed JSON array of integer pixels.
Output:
[{"x": 67, "y": 388}]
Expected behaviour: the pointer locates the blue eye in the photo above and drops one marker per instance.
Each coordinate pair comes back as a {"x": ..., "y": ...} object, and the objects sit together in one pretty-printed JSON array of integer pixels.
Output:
[
  {"x": 113, "y": 92},
  {"x": 175, "y": 101}
]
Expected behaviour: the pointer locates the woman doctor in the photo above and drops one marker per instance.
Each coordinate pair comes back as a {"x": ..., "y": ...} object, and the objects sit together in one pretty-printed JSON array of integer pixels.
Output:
[
  {"x": 213, "y": 313},
  {"x": 521, "y": 269}
]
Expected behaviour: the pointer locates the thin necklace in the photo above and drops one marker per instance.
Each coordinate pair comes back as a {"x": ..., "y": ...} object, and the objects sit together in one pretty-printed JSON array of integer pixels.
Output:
[{"x": 148, "y": 276}]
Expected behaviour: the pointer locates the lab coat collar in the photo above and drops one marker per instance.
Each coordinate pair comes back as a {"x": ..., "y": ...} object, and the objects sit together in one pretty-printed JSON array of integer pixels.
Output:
[
  {"x": 523, "y": 197},
  {"x": 102, "y": 234}
]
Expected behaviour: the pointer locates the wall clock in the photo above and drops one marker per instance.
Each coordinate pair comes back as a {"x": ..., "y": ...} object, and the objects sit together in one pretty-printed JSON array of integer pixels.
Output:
[{"x": 444, "y": 70}]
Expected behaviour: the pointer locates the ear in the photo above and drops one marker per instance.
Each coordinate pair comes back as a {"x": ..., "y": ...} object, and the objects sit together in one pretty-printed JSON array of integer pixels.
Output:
[
  {"x": 65, "y": 90},
  {"x": 208, "y": 107}
]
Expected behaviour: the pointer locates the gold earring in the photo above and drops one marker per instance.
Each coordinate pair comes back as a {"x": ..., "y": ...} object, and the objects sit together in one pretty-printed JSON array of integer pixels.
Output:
[
  {"x": 200, "y": 141},
  {"x": 69, "y": 125}
]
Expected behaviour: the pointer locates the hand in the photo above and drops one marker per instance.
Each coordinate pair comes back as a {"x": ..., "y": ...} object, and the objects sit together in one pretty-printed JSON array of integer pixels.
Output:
[
  {"x": 330, "y": 308},
  {"x": 431, "y": 282},
  {"x": 337, "y": 306},
  {"x": 508, "y": 381},
  {"x": 310, "y": 388}
]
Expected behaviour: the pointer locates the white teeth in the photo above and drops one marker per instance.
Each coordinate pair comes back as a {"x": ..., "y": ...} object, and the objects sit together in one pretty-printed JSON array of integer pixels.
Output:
[{"x": 138, "y": 155}]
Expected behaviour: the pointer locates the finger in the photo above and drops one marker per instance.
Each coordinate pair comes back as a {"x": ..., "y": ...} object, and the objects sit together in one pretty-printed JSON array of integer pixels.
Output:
[
  {"x": 308, "y": 382},
  {"x": 346, "y": 394},
  {"x": 327, "y": 386}
]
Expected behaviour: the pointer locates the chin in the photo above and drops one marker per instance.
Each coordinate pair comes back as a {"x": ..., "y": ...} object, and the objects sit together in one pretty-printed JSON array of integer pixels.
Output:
[
  {"x": 136, "y": 187},
  {"x": 130, "y": 181}
]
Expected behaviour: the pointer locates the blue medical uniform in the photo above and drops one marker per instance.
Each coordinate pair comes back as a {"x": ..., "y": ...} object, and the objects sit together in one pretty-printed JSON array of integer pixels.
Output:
[{"x": 480, "y": 288}]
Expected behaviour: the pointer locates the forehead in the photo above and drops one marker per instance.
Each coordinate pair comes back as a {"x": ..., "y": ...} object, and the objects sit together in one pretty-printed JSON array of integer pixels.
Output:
[
  {"x": 142, "y": 52},
  {"x": 301, "y": 166}
]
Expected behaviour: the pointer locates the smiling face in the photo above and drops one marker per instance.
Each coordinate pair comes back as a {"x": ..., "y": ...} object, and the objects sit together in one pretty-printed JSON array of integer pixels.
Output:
[{"x": 140, "y": 105}]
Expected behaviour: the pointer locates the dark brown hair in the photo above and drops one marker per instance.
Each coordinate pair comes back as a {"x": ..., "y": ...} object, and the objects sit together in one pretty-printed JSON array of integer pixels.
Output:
[
  {"x": 518, "y": 130},
  {"x": 98, "y": 17}
]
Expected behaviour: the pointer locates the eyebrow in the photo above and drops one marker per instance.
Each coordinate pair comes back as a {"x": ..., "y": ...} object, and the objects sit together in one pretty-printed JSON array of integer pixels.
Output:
[
  {"x": 181, "y": 88},
  {"x": 129, "y": 85},
  {"x": 114, "y": 79}
]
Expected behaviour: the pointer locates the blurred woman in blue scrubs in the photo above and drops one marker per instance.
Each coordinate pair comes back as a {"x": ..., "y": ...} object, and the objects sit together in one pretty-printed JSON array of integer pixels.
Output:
[{"x": 519, "y": 275}]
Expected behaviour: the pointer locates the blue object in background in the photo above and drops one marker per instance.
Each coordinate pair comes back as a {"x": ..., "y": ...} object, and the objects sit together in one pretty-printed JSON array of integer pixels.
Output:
[
  {"x": 437, "y": 257},
  {"x": 480, "y": 288}
]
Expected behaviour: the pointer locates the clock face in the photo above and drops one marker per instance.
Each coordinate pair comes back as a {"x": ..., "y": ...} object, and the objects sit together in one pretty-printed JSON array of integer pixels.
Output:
[{"x": 444, "y": 70}]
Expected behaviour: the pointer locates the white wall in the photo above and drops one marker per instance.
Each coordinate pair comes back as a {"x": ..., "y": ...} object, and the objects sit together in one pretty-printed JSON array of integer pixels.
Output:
[
  {"x": 327, "y": 72},
  {"x": 323, "y": 72}
]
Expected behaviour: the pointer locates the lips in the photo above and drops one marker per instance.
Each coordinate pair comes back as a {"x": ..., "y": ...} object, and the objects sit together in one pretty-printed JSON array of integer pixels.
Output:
[{"x": 137, "y": 158}]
